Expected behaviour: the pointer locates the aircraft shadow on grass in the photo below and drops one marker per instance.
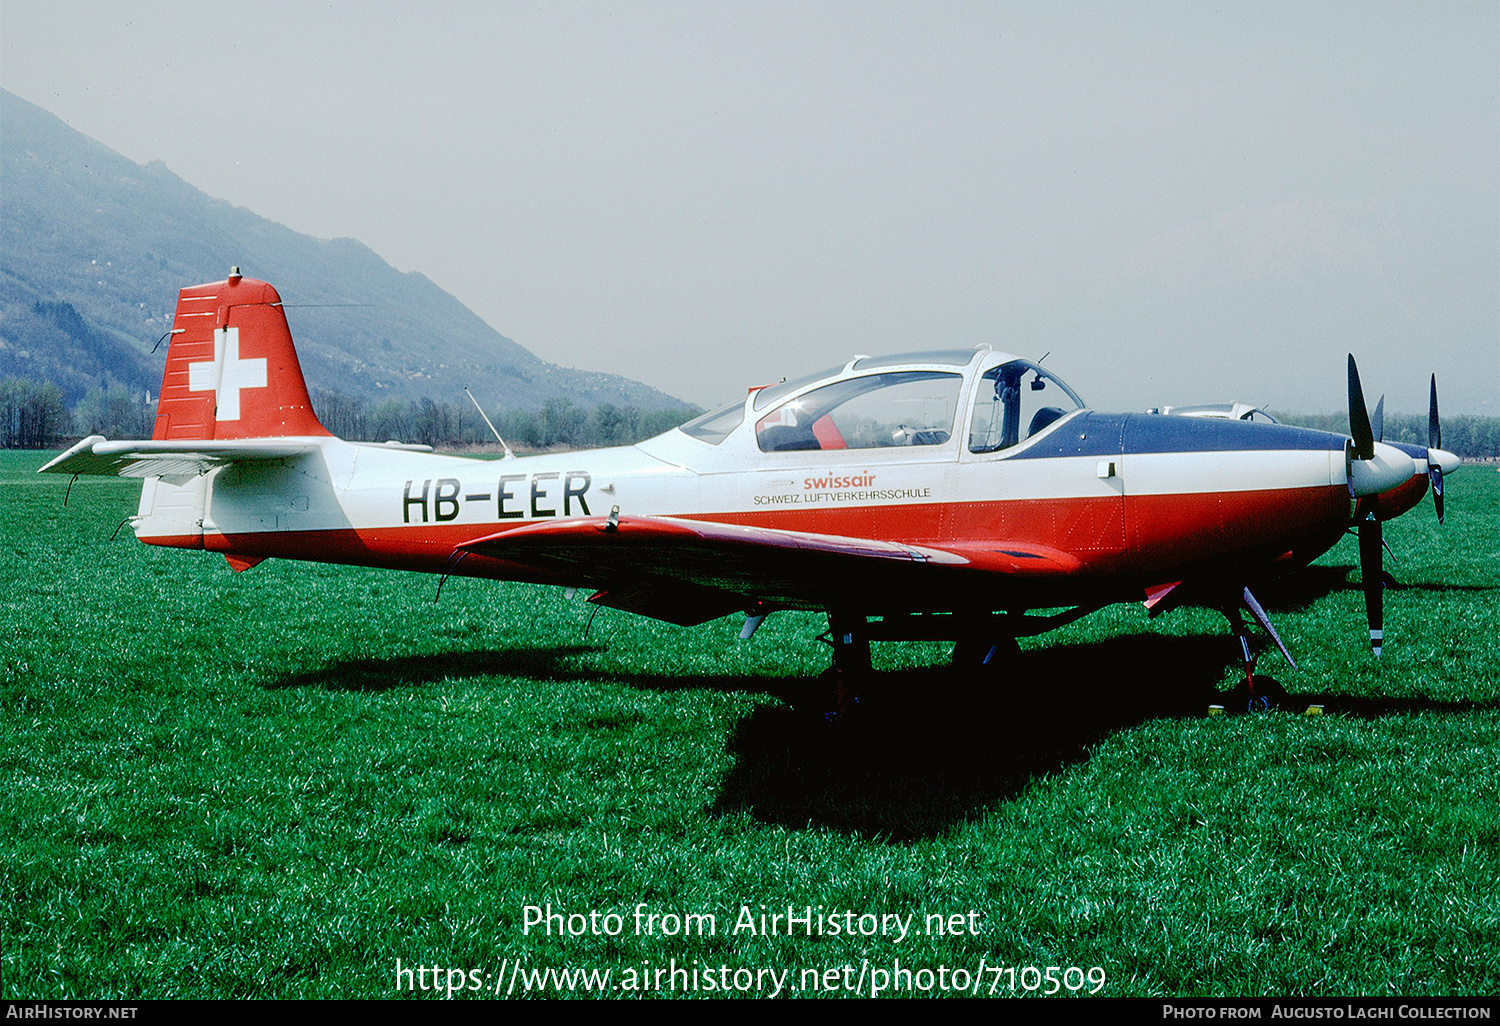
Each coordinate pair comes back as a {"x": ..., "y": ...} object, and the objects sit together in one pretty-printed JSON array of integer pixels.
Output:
[
  {"x": 377, "y": 675},
  {"x": 1300, "y": 590},
  {"x": 926, "y": 749},
  {"x": 931, "y": 750}
]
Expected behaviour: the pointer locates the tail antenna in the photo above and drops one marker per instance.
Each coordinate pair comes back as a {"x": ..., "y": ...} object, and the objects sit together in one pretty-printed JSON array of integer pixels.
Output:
[{"x": 508, "y": 454}]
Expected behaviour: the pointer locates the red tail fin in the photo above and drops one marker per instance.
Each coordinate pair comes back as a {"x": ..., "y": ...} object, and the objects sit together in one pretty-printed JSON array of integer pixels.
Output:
[{"x": 231, "y": 369}]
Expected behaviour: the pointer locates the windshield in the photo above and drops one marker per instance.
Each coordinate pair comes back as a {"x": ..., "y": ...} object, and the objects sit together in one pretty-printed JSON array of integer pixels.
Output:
[
  {"x": 715, "y": 425},
  {"x": 1015, "y": 401}
]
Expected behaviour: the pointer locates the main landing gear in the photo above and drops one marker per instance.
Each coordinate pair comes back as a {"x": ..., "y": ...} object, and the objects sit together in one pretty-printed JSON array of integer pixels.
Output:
[
  {"x": 850, "y": 637},
  {"x": 989, "y": 641},
  {"x": 984, "y": 643}
]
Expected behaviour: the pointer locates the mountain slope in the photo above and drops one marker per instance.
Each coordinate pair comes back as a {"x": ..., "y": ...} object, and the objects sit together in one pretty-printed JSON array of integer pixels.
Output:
[{"x": 83, "y": 227}]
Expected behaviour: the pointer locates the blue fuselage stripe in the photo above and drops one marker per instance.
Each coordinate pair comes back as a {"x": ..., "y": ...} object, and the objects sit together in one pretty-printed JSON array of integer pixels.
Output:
[{"x": 1114, "y": 434}]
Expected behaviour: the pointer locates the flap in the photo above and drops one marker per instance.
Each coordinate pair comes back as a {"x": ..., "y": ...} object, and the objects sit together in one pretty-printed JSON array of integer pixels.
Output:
[{"x": 691, "y": 570}]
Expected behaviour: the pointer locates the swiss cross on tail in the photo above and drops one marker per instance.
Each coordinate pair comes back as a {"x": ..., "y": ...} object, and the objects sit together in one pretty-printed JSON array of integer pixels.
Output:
[
  {"x": 232, "y": 371},
  {"x": 226, "y": 374}
]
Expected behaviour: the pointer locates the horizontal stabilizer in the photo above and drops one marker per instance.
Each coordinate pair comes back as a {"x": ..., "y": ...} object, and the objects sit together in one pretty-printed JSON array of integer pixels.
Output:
[{"x": 175, "y": 462}]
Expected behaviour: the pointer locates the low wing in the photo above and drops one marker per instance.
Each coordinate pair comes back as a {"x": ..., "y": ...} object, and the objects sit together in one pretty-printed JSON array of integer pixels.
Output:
[
  {"x": 176, "y": 462},
  {"x": 689, "y": 571}
]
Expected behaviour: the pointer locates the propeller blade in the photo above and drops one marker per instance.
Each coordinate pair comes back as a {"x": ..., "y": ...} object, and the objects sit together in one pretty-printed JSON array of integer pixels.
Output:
[
  {"x": 1377, "y": 422},
  {"x": 1359, "y": 416},
  {"x": 1373, "y": 576},
  {"x": 1434, "y": 427},
  {"x": 1434, "y": 441}
]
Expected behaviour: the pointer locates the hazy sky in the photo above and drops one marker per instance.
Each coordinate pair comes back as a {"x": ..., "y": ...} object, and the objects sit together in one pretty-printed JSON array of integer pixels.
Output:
[{"x": 1183, "y": 202}]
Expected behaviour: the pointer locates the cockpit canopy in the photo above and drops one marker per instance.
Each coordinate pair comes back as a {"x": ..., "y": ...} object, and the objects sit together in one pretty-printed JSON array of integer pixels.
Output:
[{"x": 914, "y": 399}]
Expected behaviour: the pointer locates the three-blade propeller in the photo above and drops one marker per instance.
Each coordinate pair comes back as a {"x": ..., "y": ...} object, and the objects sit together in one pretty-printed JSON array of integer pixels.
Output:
[{"x": 1369, "y": 478}]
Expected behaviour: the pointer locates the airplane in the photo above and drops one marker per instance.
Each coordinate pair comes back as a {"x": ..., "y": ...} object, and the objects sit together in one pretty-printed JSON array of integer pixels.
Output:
[{"x": 961, "y": 495}]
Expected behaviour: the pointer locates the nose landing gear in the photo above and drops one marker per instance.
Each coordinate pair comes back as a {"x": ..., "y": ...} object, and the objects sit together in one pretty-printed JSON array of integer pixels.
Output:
[{"x": 1257, "y": 693}]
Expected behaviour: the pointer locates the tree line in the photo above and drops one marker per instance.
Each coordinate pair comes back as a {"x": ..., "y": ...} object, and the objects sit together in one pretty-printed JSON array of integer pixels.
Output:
[
  {"x": 559, "y": 423},
  {"x": 1465, "y": 435},
  {"x": 34, "y": 415}
]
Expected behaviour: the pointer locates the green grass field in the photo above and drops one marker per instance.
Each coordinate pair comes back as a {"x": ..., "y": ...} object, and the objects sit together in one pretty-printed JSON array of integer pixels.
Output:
[{"x": 277, "y": 784}]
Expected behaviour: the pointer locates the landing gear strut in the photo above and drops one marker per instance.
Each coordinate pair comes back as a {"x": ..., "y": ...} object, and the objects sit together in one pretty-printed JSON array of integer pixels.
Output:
[
  {"x": 850, "y": 637},
  {"x": 1256, "y": 693}
]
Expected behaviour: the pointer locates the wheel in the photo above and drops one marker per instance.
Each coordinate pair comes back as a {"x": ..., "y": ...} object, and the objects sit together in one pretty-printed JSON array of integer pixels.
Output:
[
  {"x": 1271, "y": 690},
  {"x": 1267, "y": 694},
  {"x": 832, "y": 698}
]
